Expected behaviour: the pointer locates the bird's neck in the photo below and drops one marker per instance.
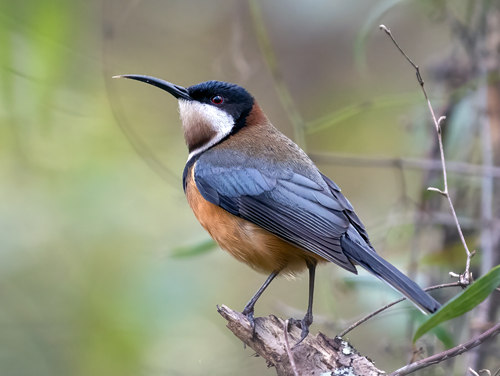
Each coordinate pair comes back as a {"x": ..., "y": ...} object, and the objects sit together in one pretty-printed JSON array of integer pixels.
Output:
[{"x": 202, "y": 132}]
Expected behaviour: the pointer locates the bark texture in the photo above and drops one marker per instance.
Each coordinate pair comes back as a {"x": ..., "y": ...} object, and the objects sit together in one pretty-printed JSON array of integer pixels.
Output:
[{"x": 316, "y": 355}]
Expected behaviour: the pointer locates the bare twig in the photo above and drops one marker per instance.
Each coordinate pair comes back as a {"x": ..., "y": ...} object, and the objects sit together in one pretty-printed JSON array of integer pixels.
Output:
[
  {"x": 374, "y": 313},
  {"x": 466, "y": 277},
  {"x": 289, "y": 350},
  {"x": 438, "y": 358},
  {"x": 369, "y": 316},
  {"x": 478, "y": 372},
  {"x": 473, "y": 372},
  {"x": 487, "y": 371}
]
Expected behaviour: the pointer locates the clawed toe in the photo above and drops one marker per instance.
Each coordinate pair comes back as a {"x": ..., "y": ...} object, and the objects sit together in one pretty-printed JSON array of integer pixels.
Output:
[
  {"x": 297, "y": 323},
  {"x": 304, "y": 333},
  {"x": 304, "y": 325}
]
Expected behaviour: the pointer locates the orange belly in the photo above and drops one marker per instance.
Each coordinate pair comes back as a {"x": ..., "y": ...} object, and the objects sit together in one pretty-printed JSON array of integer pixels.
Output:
[{"x": 245, "y": 241}]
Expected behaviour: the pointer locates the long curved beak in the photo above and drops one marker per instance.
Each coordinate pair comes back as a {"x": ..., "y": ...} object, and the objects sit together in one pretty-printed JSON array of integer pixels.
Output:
[{"x": 178, "y": 92}]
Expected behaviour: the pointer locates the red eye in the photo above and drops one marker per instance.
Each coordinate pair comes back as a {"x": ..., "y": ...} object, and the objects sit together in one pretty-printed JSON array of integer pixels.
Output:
[{"x": 217, "y": 99}]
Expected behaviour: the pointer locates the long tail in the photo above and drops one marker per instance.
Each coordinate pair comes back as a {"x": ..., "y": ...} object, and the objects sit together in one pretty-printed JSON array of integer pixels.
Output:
[{"x": 362, "y": 254}]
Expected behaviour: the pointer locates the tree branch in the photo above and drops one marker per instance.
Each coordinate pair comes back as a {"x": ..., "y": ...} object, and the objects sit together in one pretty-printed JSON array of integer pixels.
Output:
[
  {"x": 316, "y": 355},
  {"x": 438, "y": 358}
]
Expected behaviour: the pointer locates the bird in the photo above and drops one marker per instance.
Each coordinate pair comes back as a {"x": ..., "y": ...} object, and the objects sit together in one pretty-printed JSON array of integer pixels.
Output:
[{"x": 264, "y": 201}]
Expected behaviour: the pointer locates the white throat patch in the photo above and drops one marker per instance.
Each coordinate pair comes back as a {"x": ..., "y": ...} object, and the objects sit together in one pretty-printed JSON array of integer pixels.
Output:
[{"x": 204, "y": 124}]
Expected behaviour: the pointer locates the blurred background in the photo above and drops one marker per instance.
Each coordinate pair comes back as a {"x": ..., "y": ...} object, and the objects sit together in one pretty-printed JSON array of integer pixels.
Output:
[{"x": 104, "y": 270}]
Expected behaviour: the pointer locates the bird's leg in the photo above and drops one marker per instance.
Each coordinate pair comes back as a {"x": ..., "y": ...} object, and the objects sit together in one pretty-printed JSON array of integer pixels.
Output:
[
  {"x": 308, "y": 318},
  {"x": 248, "y": 310}
]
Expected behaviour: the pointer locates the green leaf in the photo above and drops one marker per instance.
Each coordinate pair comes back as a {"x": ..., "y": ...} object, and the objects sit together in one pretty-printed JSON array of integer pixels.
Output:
[
  {"x": 195, "y": 250},
  {"x": 441, "y": 332},
  {"x": 463, "y": 302},
  {"x": 444, "y": 336}
]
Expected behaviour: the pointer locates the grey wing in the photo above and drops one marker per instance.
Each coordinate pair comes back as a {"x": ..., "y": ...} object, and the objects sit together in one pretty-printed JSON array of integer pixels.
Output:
[
  {"x": 287, "y": 204},
  {"x": 349, "y": 210}
]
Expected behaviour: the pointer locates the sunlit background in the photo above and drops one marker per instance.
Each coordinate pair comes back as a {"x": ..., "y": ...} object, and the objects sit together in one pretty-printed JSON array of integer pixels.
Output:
[{"x": 104, "y": 270}]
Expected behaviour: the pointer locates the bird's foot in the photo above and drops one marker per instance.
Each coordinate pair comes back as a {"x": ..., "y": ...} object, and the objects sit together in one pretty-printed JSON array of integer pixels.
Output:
[
  {"x": 248, "y": 312},
  {"x": 297, "y": 323},
  {"x": 302, "y": 324}
]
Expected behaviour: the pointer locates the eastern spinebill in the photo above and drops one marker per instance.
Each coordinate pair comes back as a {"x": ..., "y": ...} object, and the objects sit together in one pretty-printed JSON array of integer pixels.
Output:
[{"x": 263, "y": 200}]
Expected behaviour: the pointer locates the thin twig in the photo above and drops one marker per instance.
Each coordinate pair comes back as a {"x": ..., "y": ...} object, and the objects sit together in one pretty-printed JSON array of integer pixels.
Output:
[
  {"x": 485, "y": 370},
  {"x": 374, "y": 313},
  {"x": 466, "y": 277},
  {"x": 289, "y": 351},
  {"x": 478, "y": 372},
  {"x": 474, "y": 373},
  {"x": 438, "y": 358}
]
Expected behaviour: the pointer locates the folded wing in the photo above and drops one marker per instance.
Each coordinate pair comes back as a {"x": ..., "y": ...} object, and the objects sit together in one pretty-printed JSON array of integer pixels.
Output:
[{"x": 287, "y": 204}]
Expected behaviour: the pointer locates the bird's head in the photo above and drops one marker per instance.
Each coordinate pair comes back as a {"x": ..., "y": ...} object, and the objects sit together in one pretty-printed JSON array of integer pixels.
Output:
[{"x": 210, "y": 111}]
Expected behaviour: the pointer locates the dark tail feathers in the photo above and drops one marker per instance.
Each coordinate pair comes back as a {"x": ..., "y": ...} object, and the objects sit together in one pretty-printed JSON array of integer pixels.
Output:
[{"x": 372, "y": 262}]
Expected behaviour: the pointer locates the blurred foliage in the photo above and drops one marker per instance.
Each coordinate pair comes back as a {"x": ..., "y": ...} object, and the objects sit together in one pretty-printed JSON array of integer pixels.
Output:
[
  {"x": 88, "y": 284},
  {"x": 360, "y": 44},
  {"x": 194, "y": 250},
  {"x": 352, "y": 110},
  {"x": 279, "y": 83}
]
